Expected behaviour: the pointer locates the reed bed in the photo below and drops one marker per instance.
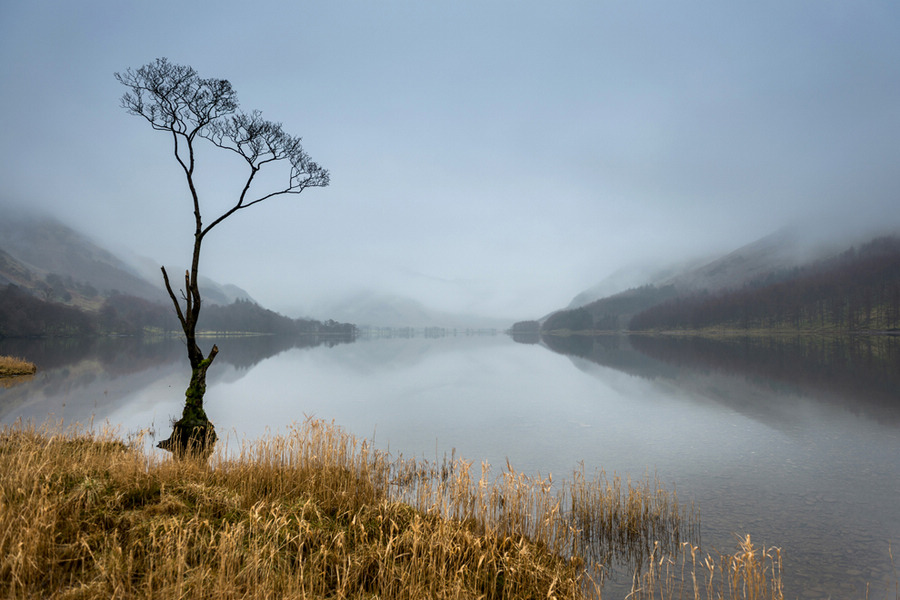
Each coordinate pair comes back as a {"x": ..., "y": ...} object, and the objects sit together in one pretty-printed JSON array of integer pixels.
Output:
[
  {"x": 315, "y": 514},
  {"x": 11, "y": 366}
]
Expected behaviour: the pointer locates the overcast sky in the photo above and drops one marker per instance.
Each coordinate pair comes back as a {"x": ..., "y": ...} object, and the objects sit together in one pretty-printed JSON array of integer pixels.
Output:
[{"x": 489, "y": 157}]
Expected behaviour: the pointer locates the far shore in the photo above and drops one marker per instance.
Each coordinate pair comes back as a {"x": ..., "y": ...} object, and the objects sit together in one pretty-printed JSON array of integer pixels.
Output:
[{"x": 713, "y": 332}]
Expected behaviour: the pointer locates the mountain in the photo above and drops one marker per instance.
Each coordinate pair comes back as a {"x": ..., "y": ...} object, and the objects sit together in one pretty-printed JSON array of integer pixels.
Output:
[
  {"x": 764, "y": 262},
  {"x": 55, "y": 281},
  {"x": 43, "y": 248},
  {"x": 12, "y": 271},
  {"x": 613, "y": 312},
  {"x": 633, "y": 277},
  {"x": 376, "y": 309},
  {"x": 780, "y": 251},
  {"x": 212, "y": 291},
  {"x": 52, "y": 260},
  {"x": 856, "y": 290},
  {"x": 787, "y": 248},
  {"x": 613, "y": 301},
  {"x": 219, "y": 293}
]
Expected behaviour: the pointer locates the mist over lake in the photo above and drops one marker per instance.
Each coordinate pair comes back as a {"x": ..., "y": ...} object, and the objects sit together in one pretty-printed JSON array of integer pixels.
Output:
[{"x": 793, "y": 440}]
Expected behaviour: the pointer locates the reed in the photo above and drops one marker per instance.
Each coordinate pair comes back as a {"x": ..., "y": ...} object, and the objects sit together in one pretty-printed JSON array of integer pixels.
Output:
[
  {"x": 12, "y": 366},
  {"x": 621, "y": 522},
  {"x": 751, "y": 573},
  {"x": 316, "y": 514}
]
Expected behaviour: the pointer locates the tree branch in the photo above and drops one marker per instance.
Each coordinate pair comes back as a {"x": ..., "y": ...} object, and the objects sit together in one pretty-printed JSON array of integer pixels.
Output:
[
  {"x": 260, "y": 142},
  {"x": 174, "y": 299}
]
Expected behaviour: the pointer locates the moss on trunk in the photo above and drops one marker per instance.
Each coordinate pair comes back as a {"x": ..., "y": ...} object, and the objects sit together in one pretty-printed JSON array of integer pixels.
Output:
[{"x": 193, "y": 434}]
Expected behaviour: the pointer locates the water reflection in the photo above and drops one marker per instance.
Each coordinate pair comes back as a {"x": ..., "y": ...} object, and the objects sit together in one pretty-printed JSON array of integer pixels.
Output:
[
  {"x": 819, "y": 476},
  {"x": 80, "y": 378},
  {"x": 793, "y": 441},
  {"x": 10, "y": 381},
  {"x": 858, "y": 374}
]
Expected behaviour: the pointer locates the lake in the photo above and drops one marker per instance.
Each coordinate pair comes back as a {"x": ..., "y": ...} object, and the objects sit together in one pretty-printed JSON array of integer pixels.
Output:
[{"x": 794, "y": 440}]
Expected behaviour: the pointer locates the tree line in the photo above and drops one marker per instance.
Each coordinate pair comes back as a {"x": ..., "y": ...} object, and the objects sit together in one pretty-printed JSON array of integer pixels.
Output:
[
  {"x": 247, "y": 316},
  {"x": 25, "y": 315}
]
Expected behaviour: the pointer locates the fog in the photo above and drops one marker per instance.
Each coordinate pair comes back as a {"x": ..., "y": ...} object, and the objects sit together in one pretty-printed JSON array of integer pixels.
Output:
[{"x": 492, "y": 158}]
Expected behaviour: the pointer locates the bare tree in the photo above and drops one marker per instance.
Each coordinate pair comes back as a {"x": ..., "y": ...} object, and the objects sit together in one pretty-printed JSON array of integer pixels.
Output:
[{"x": 178, "y": 102}]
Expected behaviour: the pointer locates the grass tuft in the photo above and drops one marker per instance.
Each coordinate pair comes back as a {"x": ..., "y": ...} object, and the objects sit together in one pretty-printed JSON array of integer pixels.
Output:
[{"x": 11, "y": 366}]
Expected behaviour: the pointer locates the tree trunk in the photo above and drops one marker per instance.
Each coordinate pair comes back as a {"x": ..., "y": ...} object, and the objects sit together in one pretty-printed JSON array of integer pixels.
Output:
[{"x": 193, "y": 434}]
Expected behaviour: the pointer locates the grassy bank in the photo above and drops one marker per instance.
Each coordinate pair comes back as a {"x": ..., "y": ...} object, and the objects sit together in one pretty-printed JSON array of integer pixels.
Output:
[
  {"x": 11, "y": 366},
  {"x": 318, "y": 514}
]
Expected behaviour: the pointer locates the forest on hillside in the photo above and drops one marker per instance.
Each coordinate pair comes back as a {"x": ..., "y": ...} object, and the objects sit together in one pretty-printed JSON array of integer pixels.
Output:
[
  {"x": 23, "y": 314},
  {"x": 858, "y": 290}
]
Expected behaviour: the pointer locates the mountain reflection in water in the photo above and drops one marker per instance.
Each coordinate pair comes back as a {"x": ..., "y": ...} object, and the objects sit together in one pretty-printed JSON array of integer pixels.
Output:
[
  {"x": 856, "y": 373},
  {"x": 79, "y": 378},
  {"x": 819, "y": 476},
  {"x": 792, "y": 439}
]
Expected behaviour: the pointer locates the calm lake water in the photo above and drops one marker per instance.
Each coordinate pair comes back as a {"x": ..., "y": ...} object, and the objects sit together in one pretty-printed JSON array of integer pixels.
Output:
[{"x": 795, "y": 441}]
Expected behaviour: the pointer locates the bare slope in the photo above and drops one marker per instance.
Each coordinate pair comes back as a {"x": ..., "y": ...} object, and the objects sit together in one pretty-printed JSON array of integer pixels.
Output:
[
  {"x": 43, "y": 246},
  {"x": 39, "y": 253}
]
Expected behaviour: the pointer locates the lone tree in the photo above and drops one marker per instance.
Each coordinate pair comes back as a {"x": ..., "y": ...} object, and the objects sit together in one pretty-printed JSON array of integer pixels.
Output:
[{"x": 178, "y": 102}]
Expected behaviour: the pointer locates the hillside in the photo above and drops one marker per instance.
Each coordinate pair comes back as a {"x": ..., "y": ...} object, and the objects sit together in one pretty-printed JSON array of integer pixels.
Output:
[
  {"x": 782, "y": 250},
  {"x": 750, "y": 277},
  {"x": 632, "y": 278},
  {"x": 55, "y": 281},
  {"x": 858, "y": 290},
  {"x": 381, "y": 309},
  {"x": 54, "y": 263},
  {"x": 52, "y": 260},
  {"x": 12, "y": 271},
  {"x": 615, "y": 312}
]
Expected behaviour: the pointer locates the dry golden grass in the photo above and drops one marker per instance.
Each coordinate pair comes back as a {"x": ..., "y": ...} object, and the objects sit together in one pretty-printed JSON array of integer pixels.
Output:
[
  {"x": 623, "y": 522},
  {"x": 318, "y": 514},
  {"x": 751, "y": 573},
  {"x": 11, "y": 366}
]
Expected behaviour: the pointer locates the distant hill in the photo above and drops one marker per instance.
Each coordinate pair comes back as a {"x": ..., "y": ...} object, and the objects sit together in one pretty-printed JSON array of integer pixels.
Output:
[
  {"x": 633, "y": 277},
  {"x": 43, "y": 248},
  {"x": 55, "y": 262},
  {"x": 375, "y": 309},
  {"x": 857, "y": 290},
  {"x": 245, "y": 315},
  {"x": 770, "y": 261},
  {"x": 771, "y": 254},
  {"x": 787, "y": 248},
  {"x": 614, "y": 312},
  {"x": 55, "y": 281}
]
